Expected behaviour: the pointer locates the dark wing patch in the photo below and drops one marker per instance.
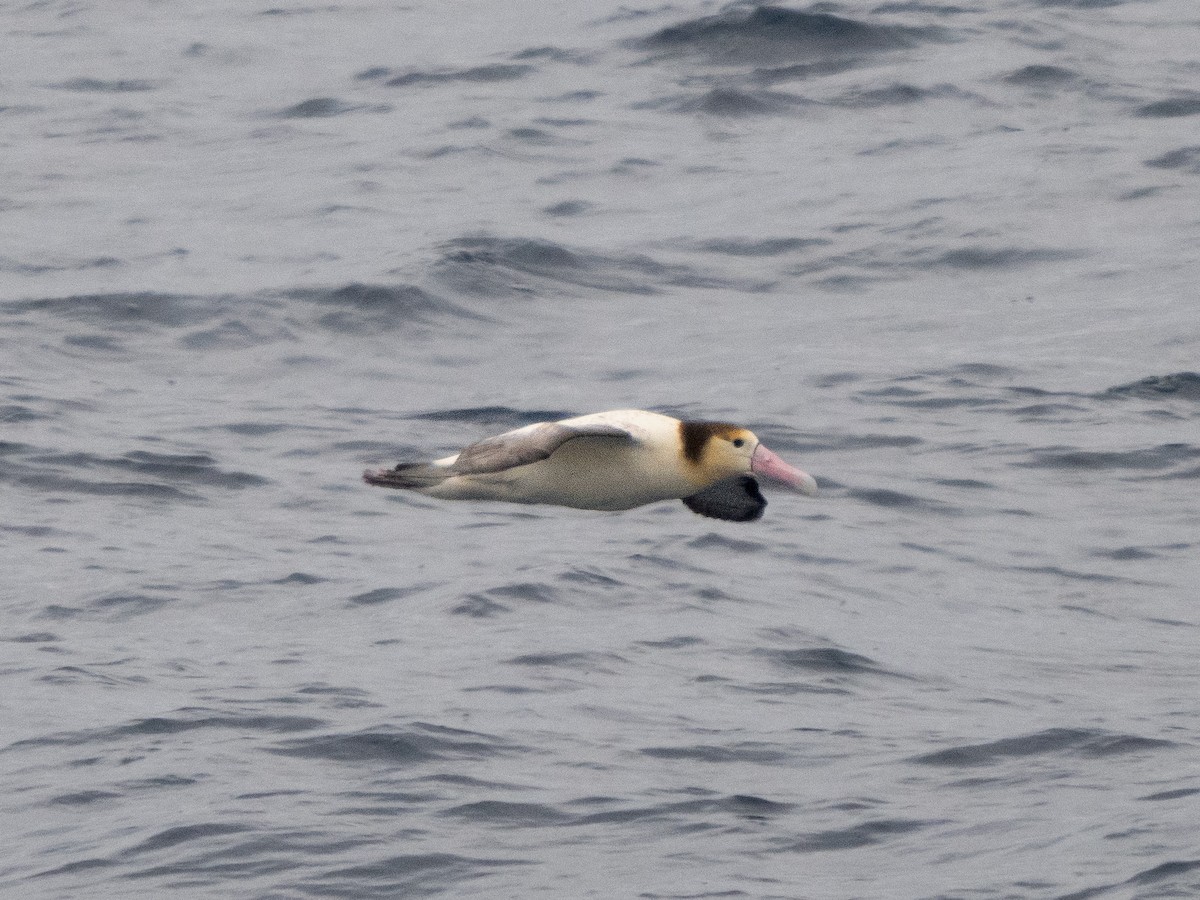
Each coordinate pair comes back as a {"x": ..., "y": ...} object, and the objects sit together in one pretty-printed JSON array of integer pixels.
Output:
[
  {"x": 735, "y": 499},
  {"x": 507, "y": 451}
]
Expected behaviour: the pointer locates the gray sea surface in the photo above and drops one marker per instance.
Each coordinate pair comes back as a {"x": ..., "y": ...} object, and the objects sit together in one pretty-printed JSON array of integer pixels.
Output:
[{"x": 943, "y": 255}]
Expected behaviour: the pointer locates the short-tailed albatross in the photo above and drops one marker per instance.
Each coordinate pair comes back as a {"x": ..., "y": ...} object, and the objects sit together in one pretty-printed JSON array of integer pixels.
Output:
[{"x": 608, "y": 461}]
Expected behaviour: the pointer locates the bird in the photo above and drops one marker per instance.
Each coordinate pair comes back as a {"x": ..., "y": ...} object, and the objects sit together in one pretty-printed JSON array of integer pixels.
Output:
[{"x": 614, "y": 460}]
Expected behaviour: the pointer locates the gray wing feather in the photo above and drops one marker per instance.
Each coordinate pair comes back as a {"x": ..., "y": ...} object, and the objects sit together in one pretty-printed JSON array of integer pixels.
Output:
[{"x": 522, "y": 447}]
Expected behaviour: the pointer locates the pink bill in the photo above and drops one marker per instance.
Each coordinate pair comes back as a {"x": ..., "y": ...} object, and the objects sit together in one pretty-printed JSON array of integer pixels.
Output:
[{"x": 767, "y": 464}]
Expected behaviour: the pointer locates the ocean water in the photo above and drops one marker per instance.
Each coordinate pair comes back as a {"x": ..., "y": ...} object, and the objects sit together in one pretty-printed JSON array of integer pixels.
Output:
[{"x": 942, "y": 255}]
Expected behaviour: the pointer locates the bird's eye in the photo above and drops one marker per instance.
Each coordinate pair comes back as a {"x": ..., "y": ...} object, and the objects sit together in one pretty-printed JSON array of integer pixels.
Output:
[{"x": 738, "y": 442}]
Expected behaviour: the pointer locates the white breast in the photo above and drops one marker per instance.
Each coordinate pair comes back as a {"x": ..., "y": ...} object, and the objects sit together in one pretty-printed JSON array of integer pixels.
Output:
[{"x": 593, "y": 472}]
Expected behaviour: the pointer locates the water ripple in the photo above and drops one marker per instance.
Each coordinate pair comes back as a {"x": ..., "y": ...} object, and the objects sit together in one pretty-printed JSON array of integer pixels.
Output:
[
  {"x": 1070, "y": 741},
  {"x": 863, "y": 834},
  {"x": 417, "y": 743},
  {"x": 772, "y": 34}
]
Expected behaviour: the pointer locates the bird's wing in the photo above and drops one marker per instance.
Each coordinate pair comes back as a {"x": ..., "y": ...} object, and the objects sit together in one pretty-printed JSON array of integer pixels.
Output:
[
  {"x": 736, "y": 499},
  {"x": 527, "y": 445}
]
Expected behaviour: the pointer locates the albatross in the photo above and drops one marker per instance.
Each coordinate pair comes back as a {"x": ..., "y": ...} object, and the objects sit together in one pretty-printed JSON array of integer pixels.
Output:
[{"x": 612, "y": 460}]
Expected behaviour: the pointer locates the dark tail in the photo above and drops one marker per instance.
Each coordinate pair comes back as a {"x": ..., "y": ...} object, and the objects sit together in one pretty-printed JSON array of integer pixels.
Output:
[{"x": 406, "y": 475}]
